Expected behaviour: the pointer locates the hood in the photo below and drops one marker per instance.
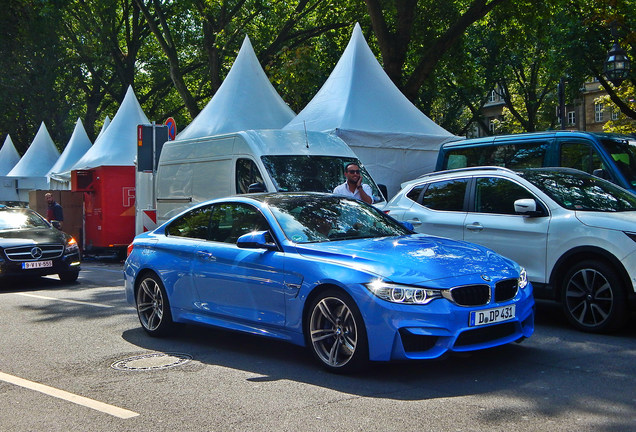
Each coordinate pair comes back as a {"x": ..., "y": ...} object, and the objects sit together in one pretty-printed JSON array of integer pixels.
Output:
[
  {"x": 416, "y": 259},
  {"x": 620, "y": 221},
  {"x": 10, "y": 238}
]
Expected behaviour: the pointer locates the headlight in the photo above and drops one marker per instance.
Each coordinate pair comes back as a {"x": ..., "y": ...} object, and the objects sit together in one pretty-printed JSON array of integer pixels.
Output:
[
  {"x": 71, "y": 246},
  {"x": 523, "y": 278},
  {"x": 403, "y": 293}
]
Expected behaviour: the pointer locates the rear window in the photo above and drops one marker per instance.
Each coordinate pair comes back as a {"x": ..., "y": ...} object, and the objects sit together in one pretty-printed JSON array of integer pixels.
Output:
[{"x": 529, "y": 154}]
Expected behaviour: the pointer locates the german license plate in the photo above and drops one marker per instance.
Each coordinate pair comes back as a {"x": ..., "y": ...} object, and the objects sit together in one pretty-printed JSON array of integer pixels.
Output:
[
  {"x": 37, "y": 264},
  {"x": 489, "y": 316}
]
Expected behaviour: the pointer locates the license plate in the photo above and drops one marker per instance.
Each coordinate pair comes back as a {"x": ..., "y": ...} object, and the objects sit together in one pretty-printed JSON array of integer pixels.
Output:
[
  {"x": 489, "y": 316},
  {"x": 37, "y": 264}
]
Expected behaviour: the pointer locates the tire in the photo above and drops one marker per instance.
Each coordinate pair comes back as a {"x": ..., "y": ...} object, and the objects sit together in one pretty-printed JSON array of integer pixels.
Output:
[
  {"x": 335, "y": 332},
  {"x": 153, "y": 308},
  {"x": 593, "y": 297},
  {"x": 69, "y": 276}
]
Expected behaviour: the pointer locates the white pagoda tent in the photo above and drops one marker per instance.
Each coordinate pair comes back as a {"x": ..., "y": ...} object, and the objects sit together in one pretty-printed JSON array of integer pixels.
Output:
[
  {"x": 117, "y": 145},
  {"x": 77, "y": 146},
  {"x": 360, "y": 104},
  {"x": 9, "y": 156},
  {"x": 245, "y": 100},
  {"x": 31, "y": 171}
]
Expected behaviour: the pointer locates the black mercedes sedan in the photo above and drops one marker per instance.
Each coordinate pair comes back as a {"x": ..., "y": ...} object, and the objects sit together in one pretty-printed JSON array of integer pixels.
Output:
[{"x": 30, "y": 246}]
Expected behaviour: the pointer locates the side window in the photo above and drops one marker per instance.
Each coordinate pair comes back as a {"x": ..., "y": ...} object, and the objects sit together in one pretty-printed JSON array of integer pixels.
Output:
[
  {"x": 497, "y": 195},
  {"x": 232, "y": 220},
  {"x": 247, "y": 173},
  {"x": 579, "y": 155},
  {"x": 194, "y": 224},
  {"x": 445, "y": 195},
  {"x": 414, "y": 194},
  {"x": 511, "y": 155}
]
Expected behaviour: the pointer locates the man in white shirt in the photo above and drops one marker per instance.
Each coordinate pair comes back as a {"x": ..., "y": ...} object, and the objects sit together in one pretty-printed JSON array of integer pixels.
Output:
[{"x": 353, "y": 187}]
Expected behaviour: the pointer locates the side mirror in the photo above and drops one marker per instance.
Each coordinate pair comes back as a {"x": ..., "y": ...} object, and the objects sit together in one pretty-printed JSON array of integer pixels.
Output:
[
  {"x": 527, "y": 207},
  {"x": 600, "y": 172},
  {"x": 256, "y": 188},
  {"x": 384, "y": 191},
  {"x": 408, "y": 225},
  {"x": 256, "y": 240}
]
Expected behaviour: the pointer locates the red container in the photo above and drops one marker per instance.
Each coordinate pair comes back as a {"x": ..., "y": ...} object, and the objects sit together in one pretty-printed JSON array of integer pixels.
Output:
[{"x": 109, "y": 206}]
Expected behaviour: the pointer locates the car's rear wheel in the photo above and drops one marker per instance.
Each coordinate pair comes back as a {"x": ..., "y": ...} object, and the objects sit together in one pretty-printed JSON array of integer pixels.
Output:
[
  {"x": 69, "y": 276},
  {"x": 336, "y": 333},
  {"x": 153, "y": 308},
  {"x": 593, "y": 297}
]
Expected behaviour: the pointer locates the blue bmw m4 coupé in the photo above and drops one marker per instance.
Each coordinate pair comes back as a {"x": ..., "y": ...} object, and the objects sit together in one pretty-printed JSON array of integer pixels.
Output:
[{"x": 326, "y": 272}]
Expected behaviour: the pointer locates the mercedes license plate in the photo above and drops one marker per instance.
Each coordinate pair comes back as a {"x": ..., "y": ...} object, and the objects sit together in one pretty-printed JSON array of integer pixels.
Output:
[
  {"x": 489, "y": 316},
  {"x": 37, "y": 264}
]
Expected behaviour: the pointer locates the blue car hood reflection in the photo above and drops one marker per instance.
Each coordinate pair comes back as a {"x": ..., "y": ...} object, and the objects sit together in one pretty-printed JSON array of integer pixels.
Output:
[{"x": 413, "y": 259}]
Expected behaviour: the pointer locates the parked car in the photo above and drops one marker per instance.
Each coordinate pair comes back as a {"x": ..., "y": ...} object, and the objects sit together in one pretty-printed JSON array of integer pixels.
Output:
[
  {"x": 327, "y": 272},
  {"x": 605, "y": 155},
  {"x": 30, "y": 246},
  {"x": 573, "y": 232}
]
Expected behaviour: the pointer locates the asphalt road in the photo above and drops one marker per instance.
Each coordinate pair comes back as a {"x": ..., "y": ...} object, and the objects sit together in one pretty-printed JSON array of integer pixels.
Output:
[{"x": 59, "y": 343}]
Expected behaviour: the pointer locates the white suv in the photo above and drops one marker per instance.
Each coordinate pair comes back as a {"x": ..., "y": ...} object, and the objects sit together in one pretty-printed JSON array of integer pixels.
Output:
[{"x": 574, "y": 233}]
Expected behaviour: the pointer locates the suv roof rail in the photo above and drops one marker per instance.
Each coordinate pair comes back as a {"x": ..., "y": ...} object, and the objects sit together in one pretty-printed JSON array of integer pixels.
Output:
[{"x": 475, "y": 168}]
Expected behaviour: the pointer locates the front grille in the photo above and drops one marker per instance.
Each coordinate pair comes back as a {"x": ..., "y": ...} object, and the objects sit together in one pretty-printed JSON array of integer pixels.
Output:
[
  {"x": 506, "y": 290},
  {"x": 470, "y": 295},
  {"x": 486, "y": 334},
  {"x": 26, "y": 253},
  {"x": 415, "y": 343}
]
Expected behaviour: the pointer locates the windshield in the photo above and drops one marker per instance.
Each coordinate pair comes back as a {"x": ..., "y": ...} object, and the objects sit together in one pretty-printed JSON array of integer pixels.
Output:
[
  {"x": 320, "y": 218},
  {"x": 576, "y": 190},
  {"x": 20, "y": 219},
  {"x": 313, "y": 173},
  {"x": 624, "y": 155}
]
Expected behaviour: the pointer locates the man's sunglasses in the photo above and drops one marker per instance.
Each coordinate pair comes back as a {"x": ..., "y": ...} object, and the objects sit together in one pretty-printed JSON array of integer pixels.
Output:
[{"x": 354, "y": 171}]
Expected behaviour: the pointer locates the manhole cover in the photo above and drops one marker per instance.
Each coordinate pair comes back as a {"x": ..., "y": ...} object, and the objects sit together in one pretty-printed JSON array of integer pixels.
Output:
[{"x": 152, "y": 361}]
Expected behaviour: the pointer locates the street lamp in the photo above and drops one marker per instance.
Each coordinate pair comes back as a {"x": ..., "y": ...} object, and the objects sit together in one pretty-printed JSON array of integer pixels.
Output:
[{"x": 617, "y": 64}]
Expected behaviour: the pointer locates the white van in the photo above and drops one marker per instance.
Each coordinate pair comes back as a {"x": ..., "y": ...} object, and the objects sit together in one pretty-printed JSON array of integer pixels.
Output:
[{"x": 198, "y": 169}]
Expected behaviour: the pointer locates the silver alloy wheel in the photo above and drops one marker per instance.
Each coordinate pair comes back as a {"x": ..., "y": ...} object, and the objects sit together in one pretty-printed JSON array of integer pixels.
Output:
[
  {"x": 589, "y": 297},
  {"x": 150, "y": 304},
  {"x": 333, "y": 332}
]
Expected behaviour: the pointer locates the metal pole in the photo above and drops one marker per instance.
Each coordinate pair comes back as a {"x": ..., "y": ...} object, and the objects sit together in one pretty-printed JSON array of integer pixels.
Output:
[{"x": 561, "y": 92}]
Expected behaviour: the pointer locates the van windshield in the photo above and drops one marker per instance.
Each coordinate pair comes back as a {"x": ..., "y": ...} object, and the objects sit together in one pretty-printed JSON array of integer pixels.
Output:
[
  {"x": 624, "y": 154},
  {"x": 313, "y": 173}
]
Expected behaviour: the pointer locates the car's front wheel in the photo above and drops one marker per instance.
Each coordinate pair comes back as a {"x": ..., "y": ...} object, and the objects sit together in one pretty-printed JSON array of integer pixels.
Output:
[
  {"x": 69, "y": 276},
  {"x": 336, "y": 333},
  {"x": 152, "y": 306},
  {"x": 593, "y": 297}
]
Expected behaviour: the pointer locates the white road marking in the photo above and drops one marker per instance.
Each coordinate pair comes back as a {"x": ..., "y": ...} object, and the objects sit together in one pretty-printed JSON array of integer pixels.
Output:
[
  {"x": 70, "y": 397},
  {"x": 65, "y": 300}
]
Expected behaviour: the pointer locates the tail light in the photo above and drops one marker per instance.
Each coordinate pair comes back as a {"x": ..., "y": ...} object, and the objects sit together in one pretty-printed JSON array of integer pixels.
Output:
[{"x": 129, "y": 249}]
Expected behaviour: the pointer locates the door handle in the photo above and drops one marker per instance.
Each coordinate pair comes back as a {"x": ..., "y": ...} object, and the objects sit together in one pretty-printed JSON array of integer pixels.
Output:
[
  {"x": 476, "y": 226},
  {"x": 206, "y": 256},
  {"x": 414, "y": 222}
]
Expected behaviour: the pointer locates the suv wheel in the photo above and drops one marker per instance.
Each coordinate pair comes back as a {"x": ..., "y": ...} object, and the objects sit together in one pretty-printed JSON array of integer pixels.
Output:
[{"x": 593, "y": 297}]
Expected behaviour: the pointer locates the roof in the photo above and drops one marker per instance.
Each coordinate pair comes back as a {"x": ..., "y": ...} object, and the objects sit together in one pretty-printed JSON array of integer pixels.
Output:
[
  {"x": 117, "y": 145},
  {"x": 359, "y": 95},
  {"x": 39, "y": 157},
  {"x": 245, "y": 100}
]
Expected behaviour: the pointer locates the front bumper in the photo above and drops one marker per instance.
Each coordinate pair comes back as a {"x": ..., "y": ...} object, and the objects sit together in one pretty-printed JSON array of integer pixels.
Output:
[
  {"x": 409, "y": 332},
  {"x": 63, "y": 264}
]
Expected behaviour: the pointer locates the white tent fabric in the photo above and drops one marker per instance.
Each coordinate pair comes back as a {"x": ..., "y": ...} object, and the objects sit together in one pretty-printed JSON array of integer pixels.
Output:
[
  {"x": 9, "y": 156},
  {"x": 117, "y": 146},
  {"x": 39, "y": 157},
  {"x": 30, "y": 172},
  {"x": 78, "y": 145},
  {"x": 245, "y": 100},
  {"x": 359, "y": 103},
  {"x": 104, "y": 127}
]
